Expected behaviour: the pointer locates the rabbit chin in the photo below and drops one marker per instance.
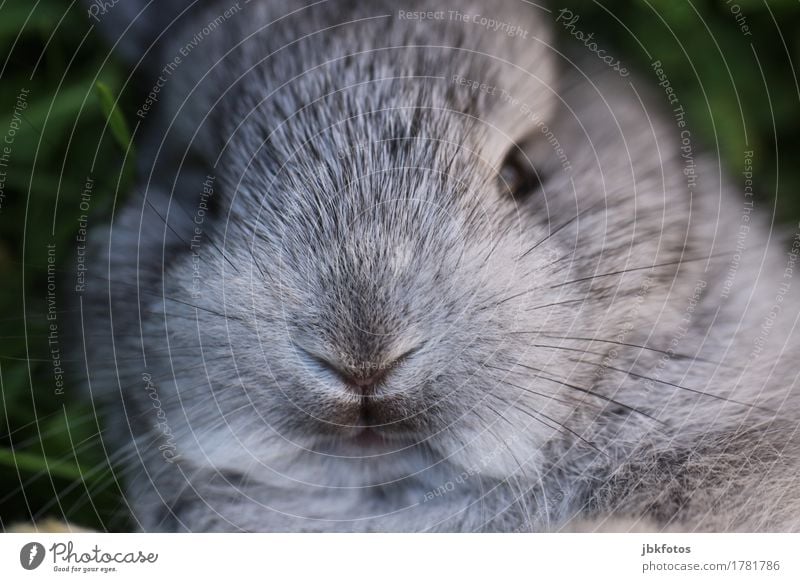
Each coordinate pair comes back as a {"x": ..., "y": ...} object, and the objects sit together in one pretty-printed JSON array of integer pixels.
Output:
[
  {"x": 284, "y": 463},
  {"x": 364, "y": 458}
]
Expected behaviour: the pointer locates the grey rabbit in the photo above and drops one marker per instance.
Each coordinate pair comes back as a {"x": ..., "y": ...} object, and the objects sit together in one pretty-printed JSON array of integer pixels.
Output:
[{"x": 417, "y": 267}]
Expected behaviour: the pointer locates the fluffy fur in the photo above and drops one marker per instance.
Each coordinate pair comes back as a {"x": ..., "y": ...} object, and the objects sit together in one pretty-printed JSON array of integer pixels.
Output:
[{"x": 572, "y": 359}]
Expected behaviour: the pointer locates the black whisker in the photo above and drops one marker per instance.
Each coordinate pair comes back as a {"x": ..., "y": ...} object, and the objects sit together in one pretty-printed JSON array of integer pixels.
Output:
[
  {"x": 643, "y": 377},
  {"x": 180, "y": 238},
  {"x": 560, "y": 228},
  {"x": 529, "y": 390},
  {"x": 557, "y": 303},
  {"x": 633, "y": 269},
  {"x": 590, "y": 393},
  {"x": 694, "y": 390},
  {"x": 548, "y": 334}
]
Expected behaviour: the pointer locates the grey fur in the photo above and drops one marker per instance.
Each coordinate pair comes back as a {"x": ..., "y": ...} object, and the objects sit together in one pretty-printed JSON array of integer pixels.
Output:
[{"x": 360, "y": 217}]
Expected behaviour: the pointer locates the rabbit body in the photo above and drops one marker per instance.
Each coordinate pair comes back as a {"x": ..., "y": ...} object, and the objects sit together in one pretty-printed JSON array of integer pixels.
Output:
[{"x": 319, "y": 202}]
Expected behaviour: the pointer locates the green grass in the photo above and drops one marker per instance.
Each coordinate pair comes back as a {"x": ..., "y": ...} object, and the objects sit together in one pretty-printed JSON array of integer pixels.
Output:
[{"x": 51, "y": 462}]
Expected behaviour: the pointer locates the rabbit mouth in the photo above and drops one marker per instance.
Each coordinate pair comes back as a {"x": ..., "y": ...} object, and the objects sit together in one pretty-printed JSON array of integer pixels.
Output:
[
  {"x": 375, "y": 422},
  {"x": 369, "y": 438},
  {"x": 378, "y": 426}
]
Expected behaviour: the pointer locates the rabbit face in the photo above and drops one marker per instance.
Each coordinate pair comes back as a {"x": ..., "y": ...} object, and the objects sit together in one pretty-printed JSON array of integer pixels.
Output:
[
  {"x": 389, "y": 312},
  {"x": 391, "y": 256}
]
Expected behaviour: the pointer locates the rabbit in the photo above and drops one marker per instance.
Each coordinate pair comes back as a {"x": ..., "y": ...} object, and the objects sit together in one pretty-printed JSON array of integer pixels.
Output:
[{"x": 412, "y": 268}]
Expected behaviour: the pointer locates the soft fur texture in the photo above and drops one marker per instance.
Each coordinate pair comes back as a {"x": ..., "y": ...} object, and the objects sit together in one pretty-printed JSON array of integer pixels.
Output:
[{"x": 357, "y": 218}]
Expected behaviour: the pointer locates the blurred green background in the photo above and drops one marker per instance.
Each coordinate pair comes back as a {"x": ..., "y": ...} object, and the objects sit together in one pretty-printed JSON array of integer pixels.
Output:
[{"x": 740, "y": 92}]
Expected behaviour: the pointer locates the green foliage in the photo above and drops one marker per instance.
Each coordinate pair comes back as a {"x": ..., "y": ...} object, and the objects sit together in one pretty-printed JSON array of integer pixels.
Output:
[
  {"x": 115, "y": 118},
  {"x": 740, "y": 91},
  {"x": 57, "y": 107}
]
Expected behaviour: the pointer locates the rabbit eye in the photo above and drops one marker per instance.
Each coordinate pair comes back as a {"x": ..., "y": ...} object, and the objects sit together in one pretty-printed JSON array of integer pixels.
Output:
[{"x": 518, "y": 178}]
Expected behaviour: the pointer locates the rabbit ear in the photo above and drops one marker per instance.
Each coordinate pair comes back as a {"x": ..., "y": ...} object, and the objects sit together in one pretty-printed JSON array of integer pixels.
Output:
[
  {"x": 522, "y": 94},
  {"x": 136, "y": 28},
  {"x": 522, "y": 109}
]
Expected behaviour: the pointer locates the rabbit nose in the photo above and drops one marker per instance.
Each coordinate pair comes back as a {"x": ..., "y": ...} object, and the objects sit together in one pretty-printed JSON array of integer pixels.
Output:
[
  {"x": 362, "y": 379},
  {"x": 365, "y": 377},
  {"x": 363, "y": 383}
]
